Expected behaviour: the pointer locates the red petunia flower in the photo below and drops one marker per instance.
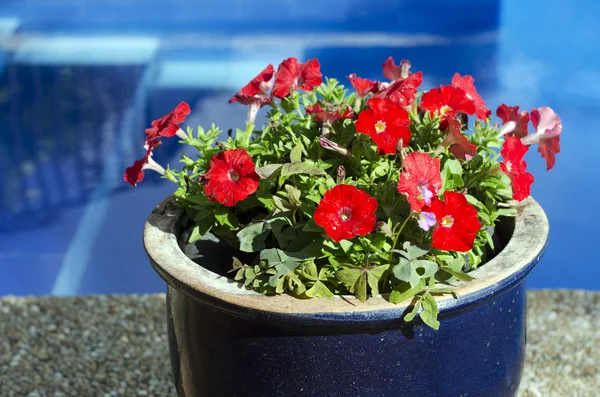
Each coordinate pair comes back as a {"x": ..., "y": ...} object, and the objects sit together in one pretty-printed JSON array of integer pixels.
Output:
[
  {"x": 457, "y": 223},
  {"x": 168, "y": 125},
  {"x": 448, "y": 101},
  {"x": 420, "y": 179},
  {"x": 324, "y": 116},
  {"x": 466, "y": 84},
  {"x": 458, "y": 143},
  {"x": 395, "y": 72},
  {"x": 231, "y": 177},
  {"x": 514, "y": 166},
  {"x": 386, "y": 123},
  {"x": 345, "y": 212},
  {"x": 258, "y": 85},
  {"x": 547, "y": 135},
  {"x": 301, "y": 76},
  {"x": 135, "y": 174},
  {"x": 513, "y": 122},
  {"x": 403, "y": 91},
  {"x": 362, "y": 86}
]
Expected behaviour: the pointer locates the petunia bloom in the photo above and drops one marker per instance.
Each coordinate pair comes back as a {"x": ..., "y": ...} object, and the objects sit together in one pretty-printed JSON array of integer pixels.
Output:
[
  {"x": 514, "y": 166},
  {"x": 386, "y": 123},
  {"x": 513, "y": 121},
  {"x": 301, "y": 76},
  {"x": 345, "y": 212},
  {"x": 403, "y": 91},
  {"x": 420, "y": 179},
  {"x": 426, "y": 220},
  {"x": 363, "y": 87},
  {"x": 458, "y": 143},
  {"x": 548, "y": 129},
  {"x": 168, "y": 125},
  {"x": 448, "y": 101},
  {"x": 395, "y": 72},
  {"x": 254, "y": 94},
  {"x": 457, "y": 223},
  {"x": 331, "y": 114},
  {"x": 466, "y": 83},
  {"x": 231, "y": 177},
  {"x": 135, "y": 174}
]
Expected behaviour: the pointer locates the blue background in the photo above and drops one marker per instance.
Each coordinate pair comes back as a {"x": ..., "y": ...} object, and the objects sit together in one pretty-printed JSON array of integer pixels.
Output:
[{"x": 80, "y": 80}]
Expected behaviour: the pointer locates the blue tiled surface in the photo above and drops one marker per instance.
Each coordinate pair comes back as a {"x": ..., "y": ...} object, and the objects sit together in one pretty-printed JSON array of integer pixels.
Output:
[{"x": 80, "y": 80}]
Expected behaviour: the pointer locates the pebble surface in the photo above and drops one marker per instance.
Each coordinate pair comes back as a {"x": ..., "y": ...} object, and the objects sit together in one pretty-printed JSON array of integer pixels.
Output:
[{"x": 117, "y": 346}]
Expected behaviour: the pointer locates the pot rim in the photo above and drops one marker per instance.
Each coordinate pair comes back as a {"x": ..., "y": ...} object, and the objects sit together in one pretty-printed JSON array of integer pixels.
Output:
[{"x": 500, "y": 274}]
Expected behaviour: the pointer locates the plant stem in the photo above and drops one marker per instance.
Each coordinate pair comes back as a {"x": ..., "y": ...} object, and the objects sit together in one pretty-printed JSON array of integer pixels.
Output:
[{"x": 397, "y": 236}]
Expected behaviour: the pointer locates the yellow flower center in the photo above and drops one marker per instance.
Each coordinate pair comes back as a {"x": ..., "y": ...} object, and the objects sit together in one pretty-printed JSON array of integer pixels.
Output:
[
  {"x": 447, "y": 221},
  {"x": 234, "y": 176},
  {"x": 380, "y": 126},
  {"x": 345, "y": 213}
]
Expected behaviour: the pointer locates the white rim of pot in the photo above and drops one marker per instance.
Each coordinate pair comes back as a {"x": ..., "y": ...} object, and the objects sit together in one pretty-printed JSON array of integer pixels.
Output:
[{"x": 505, "y": 270}]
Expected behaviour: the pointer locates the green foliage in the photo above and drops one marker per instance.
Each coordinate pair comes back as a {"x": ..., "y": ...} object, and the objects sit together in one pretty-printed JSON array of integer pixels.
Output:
[{"x": 293, "y": 254}]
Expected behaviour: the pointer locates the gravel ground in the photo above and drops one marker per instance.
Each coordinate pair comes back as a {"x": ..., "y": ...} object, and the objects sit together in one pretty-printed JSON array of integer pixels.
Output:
[{"x": 116, "y": 346}]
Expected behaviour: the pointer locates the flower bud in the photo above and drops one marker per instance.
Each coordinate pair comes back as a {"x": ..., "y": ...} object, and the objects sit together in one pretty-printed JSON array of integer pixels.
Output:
[
  {"x": 383, "y": 226},
  {"x": 341, "y": 174},
  {"x": 330, "y": 145},
  {"x": 400, "y": 149}
]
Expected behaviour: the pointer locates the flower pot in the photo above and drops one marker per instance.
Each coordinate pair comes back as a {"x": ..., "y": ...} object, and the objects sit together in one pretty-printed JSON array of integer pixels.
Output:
[{"x": 228, "y": 341}]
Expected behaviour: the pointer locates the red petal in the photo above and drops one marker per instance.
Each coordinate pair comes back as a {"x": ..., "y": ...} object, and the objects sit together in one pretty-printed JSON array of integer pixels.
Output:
[
  {"x": 310, "y": 74},
  {"x": 403, "y": 92},
  {"x": 548, "y": 149},
  {"x": 459, "y": 145},
  {"x": 507, "y": 113},
  {"x": 391, "y": 70},
  {"x": 362, "y": 86},
  {"x": 255, "y": 86},
  {"x": 466, "y": 83},
  {"x": 287, "y": 72}
]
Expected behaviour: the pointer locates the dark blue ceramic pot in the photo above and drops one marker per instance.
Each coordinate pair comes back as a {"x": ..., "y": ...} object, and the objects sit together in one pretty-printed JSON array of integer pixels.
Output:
[{"x": 226, "y": 341}]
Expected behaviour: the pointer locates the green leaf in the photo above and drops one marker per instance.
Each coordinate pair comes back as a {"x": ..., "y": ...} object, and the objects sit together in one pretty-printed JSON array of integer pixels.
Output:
[
  {"x": 311, "y": 226},
  {"x": 348, "y": 277},
  {"x": 430, "y": 311},
  {"x": 319, "y": 290},
  {"x": 296, "y": 154},
  {"x": 200, "y": 199},
  {"x": 360, "y": 288},
  {"x": 293, "y": 195},
  {"x": 406, "y": 271},
  {"x": 226, "y": 217},
  {"x": 443, "y": 290},
  {"x": 282, "y": 263},
  {"x": 252, "y": 238},
  {"x": 310, "y": 271},
  {"x": 268, "y": 171},
  {"x": 373, "y": 283},
  {"x": 457, "y": 273},
  {"x": 378, "y": 271},
  {"x": 282, "y": 204},
  {"x": 412, "y": 251},
  {"x": 346, "y": 245},
  {"x": 429, "y": 268},
  {"x": 411, "y": 316},
  {"x": 452, "y": 174},
  {"x": 195, "y": 235},
  {"x": 301, "y": 168},
  {"x": 403, "y": 291}
]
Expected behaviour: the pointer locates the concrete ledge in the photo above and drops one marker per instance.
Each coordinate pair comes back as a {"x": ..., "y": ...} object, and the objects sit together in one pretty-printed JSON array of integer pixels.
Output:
[{"x": 117, "y": 346}]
